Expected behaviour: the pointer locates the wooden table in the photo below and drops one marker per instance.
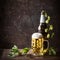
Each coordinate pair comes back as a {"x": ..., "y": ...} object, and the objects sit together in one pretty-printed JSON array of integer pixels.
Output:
[{"x": 27, "y": 57}]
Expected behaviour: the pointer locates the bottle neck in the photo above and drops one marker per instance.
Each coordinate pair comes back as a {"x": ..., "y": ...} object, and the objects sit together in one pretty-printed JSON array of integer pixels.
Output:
[{"x": 42, "y": 28}]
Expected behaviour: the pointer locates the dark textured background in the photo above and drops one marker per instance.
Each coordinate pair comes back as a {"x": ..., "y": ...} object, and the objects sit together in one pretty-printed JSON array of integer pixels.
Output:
[{"x": 20, "y": 18}]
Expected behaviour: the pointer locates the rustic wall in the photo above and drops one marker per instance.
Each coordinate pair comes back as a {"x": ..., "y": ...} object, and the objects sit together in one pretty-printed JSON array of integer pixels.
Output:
[{"x": 20, "y": 18}]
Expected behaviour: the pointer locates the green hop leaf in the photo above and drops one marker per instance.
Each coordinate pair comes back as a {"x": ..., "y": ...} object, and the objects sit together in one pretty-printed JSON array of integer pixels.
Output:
[
  {"x": 48, "y": 35},
  {"x": 16, "y": 54},
  {"x": 47, "y": 21},
  {"x": 25, "y": 50},
  {"x": 46, "y": 14},
  {"x": 14, "y": 47},
  {"x": 46, "y": 30},
  {"x": 11, "y": 54},
  {"x": 52, "y": 51},
  {"x": 48, "y": 17},
  {"x": 52, "y": 35},
  {"x": 51, "y": 27},
  {"x": 14, "y": 51}
]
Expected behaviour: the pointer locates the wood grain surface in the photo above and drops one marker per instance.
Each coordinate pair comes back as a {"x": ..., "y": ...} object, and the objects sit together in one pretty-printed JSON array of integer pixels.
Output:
[{"x": 27, "y": 57}]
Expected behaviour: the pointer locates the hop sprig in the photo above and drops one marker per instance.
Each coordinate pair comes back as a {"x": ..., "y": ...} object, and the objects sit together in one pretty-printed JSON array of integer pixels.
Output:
[
  {"x": 14, "y": 51},
  {"x": 49, "y": 27},
  {"x": 52, "y": 51},
  {"x": 47, "y": 20}
]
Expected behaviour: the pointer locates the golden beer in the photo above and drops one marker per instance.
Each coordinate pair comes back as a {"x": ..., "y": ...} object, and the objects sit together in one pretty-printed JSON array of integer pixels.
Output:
[{"x": 37, "y": 44}]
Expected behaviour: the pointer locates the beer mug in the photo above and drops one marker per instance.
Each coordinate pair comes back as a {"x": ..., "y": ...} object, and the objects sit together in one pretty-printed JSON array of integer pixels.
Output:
[{"x": 38, "y": 44}]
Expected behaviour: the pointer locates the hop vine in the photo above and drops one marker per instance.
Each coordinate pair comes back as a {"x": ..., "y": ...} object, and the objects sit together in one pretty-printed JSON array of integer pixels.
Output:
[
  {"x": 50, "y": 33},
  {"x": 49, "y": 27}
]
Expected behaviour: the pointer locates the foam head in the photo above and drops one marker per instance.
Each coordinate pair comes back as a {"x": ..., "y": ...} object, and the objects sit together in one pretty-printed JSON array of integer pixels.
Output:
[{"x": 37, "y": 35}]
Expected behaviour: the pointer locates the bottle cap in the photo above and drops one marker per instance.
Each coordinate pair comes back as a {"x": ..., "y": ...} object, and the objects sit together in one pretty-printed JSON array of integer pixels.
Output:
[
  {"x": 42, "y": 12},
  {"x": 42, "y": 18}
]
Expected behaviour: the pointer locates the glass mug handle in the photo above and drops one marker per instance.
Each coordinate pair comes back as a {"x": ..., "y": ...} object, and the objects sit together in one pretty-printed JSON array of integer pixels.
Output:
[{"x": 47, "y": 42}]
